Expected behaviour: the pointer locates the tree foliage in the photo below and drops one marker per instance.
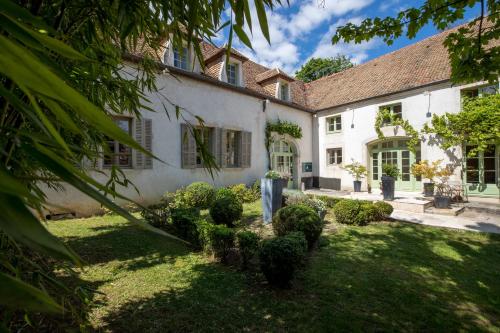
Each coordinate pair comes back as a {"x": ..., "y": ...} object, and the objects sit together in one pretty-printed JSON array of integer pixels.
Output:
[
  {"x": 316, "y": 68},
  {"x": 473, "y": 48},
  {"x": 478, "y": 124},
  {"x": 62, "y": 76}
]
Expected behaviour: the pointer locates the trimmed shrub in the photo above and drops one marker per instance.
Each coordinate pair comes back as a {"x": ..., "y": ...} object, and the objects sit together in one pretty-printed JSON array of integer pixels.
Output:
[
  {"x": 330, "y": 202},
  {"x": 298, "y": 218},
  {"x": 221, "y": 240},
  {"x": 280, "y": 257},
  {"x": 198, "y": 195},
  {"x": 369, "y": 212},
  {"x": 156, "y": 215},
  {"x": 248, "y": 244},
  {"x": 243, "y": 193},
  {"x": 347, "y": 212},
  {"x": 226, "y": 210},
  {"x": 301, "y": 199},
  {"x": 384, "y": 209},
  {"x": 223, "y": 192},
  {"x": 184, "y": 222}
]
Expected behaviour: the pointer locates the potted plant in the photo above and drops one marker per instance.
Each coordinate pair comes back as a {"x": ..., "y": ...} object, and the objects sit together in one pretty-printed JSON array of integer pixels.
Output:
[
  {"x": 285, "y": 178},
  {"x": 358, "y": 171},
  {"x": 442, "y": 198},
  {"x": 428, "y": 171},
  {"x": 390, "y": 174},
  {"x": 271, "y": 191}
]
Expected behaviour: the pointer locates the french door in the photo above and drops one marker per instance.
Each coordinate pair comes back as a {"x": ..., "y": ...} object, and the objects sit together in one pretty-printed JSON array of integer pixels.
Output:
[
  {"x": 394, "y": 152},
  {"x": 282, "y": 160},
  {"x": 482, "y": 171}
]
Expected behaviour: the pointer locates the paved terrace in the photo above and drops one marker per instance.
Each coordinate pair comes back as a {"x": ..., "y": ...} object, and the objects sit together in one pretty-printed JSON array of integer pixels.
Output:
[{"x": 476, "y": 215}]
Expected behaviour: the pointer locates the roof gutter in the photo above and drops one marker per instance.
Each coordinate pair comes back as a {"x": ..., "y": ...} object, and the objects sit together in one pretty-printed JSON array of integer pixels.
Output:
[
  {"x": 224, "y": 85},
  {"x": 383, "y": 95}
]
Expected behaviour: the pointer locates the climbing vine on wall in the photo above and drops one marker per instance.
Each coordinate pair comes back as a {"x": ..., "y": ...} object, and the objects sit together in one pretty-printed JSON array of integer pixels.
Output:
[
  {"x": 385, "y": 117},
  {"x": 280, "y": 127}
]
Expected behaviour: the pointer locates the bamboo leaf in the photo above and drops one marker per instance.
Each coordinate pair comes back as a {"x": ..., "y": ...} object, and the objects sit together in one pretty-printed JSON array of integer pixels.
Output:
[
  {"x": 16, "y": 294},
  {"x": 242, "y": 35},
  {"x": 261, "y": 14},
  {"x": 19, "y": 222}
]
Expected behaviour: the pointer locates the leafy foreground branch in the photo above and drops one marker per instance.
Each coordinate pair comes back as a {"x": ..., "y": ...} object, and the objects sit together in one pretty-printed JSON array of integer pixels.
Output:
[{"x": 61, "y": 78}]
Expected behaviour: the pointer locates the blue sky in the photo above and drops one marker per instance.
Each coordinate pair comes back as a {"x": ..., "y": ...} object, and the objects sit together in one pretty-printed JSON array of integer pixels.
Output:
[{"x": 304, "y": 30}]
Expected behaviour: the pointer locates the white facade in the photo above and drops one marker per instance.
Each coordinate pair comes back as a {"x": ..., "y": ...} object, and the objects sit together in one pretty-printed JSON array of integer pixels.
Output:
[
  {"x": 218, "y": 107},
  {"x": 358, "y": 134}
]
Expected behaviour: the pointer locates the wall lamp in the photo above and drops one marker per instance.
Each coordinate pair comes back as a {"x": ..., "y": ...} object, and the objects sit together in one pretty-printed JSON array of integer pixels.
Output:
[
  {"x": 264, "y": 104},
  {"x": 428, "y": 114}
]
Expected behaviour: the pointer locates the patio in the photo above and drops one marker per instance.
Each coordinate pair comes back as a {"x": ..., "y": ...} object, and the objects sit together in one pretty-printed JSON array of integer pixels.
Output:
[{"x": 478, "y": 214}]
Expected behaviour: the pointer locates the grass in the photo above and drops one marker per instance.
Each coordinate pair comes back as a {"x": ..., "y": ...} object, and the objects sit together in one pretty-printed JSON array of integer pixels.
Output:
[{"x": 382, "y": 277}]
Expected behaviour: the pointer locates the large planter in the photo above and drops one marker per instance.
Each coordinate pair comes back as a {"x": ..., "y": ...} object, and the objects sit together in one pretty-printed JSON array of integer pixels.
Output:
[
  {"x": 428, "y": 189},
  {"x": 357, "y": 185},
  {"x": 388, "y": 186},
  {"x": 272, "y": 192},
  {"x": 442, "y": 201}
]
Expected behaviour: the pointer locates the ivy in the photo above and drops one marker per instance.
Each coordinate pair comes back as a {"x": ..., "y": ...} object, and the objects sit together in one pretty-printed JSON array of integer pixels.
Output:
[
  {"x": 281, "y": 127},
  {"x": 478, "y": 124},
  {"x": 384, "y": 116}
]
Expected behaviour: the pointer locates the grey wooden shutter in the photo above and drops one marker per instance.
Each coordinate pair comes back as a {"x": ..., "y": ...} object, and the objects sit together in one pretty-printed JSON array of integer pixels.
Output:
[
  {"x": 216, "y": 145},
  {"x": 188, "y": 148},
  {"x": 245, "y": 149},
  {"x": 139, "y": 137},
  {"x": 223, "y": 148},
  {"x": 148, "y": 142}
]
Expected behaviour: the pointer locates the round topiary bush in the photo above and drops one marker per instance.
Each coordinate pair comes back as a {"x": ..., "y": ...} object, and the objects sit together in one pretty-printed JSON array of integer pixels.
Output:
[
  {"x": 199, "y": 195},
  {"x": 226, "y": 210},
  {"x": 349, "y": 212},
  {"x": 248, "y": 245},
  {"x": 184, "y": 222},
  {"x": 281, "y": 256},
  {"x": 298, "y": 218},
  {"x": 384, "y": 209}
]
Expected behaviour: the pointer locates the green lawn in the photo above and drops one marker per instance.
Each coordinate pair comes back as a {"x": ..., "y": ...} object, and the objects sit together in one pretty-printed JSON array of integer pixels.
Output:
[{"x": 383, "y": 277}]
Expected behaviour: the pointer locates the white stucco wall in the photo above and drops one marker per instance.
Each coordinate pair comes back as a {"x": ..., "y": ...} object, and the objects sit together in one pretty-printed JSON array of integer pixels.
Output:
[
  {"x": 218, "y": 107},
  {"x": 417, "y": 105}
]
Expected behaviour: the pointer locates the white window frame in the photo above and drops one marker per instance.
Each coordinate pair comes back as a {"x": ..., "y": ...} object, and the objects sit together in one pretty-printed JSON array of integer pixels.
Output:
[
  {"x": 236, "y": 71},
  {"x": 115, "y": 154},
  {"x": 279, "y": 95},
  {"x": 233, "y": 149},
  {"x": 184, "y": 58},
  {"x": 337, "y": 120},
  {"x": 335, "y": 152}
]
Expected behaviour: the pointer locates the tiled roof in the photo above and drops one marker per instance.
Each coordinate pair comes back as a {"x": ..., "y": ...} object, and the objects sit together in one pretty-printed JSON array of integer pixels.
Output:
[
  {"x": 420, "y": 64},
  {"x": 413, "y": 66},
  {"x": 271, "y": 74}
]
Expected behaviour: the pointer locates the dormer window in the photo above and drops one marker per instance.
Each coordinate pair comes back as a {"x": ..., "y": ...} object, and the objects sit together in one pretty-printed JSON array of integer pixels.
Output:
[
  {"x": 232, "y": 70},
  {"x": 284, "y": 93},
  {"x": 181, "y": 57}
]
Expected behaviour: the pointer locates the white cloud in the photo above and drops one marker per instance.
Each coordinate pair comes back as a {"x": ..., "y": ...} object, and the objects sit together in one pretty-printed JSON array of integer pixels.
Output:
[
  {"x": 357, "y": 52},
  {"x": 285, "y": 32},
  {"x": 311, "y": 15}
]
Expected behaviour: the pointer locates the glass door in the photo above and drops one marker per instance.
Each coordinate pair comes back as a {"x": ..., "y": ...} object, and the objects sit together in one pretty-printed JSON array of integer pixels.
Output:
[
  {"x": 282, "y": 160},
  {"x": 482, "y": 171},
  {"x": 394, "y": 152}
]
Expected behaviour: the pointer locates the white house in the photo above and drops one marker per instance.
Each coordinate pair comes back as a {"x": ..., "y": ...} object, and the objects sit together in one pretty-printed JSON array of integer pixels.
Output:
[{"x": 236, "y": 98}]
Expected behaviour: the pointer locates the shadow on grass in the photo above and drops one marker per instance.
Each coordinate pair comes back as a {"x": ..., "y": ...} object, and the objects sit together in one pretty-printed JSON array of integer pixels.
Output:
[
  {"x": 133, "y": 247},
  {"x": 388, "y": 277}
]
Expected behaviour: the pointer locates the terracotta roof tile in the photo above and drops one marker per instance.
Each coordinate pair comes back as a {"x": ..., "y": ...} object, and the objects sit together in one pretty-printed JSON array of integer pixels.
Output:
[{"x": 425, "y": 62}]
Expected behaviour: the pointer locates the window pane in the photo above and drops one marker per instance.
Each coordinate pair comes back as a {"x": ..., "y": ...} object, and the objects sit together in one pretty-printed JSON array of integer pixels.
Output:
[
  {"x": 489, "y": 177},
  {"x": 338, "y": 123},
  {"x": 397, "y": 111},
  {"x": 375, "y": 166}
]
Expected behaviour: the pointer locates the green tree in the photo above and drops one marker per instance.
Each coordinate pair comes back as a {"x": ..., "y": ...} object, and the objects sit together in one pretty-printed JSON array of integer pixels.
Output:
[
  {"x": 316, "y": 68},
  {"x": 474, "y": 48},
  {"x": 478, "y": 124},
  {"x": 62, "y": 76}
]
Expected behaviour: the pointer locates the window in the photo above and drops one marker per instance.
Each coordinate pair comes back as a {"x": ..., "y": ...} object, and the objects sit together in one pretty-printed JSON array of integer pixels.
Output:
[
  {"x": 119, "y": 154},
  {"x": 232, "y": 149},
  {"x": 479, "y": 92},
  {"x": 395, "y": 109},
  {"x": 334, "y": 156},
  {"x": 232, "y": 73},
  {"x": 284, "y": 94},
  {"x": 206, "y": 139},
  {"x": 181, "y": 57},
  {"x": 334, "y": 124}
]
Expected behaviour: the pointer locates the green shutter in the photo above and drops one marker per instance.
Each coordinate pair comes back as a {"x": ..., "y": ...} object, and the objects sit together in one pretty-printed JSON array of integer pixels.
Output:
[{"x": 246, "y": 149}]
